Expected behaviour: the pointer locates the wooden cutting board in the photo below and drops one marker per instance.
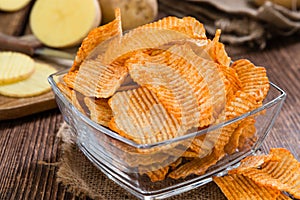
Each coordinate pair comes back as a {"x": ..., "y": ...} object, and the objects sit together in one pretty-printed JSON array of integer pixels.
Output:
[
  {"x": 16, "y": 24},
  {"x": 12, "y": 108}
]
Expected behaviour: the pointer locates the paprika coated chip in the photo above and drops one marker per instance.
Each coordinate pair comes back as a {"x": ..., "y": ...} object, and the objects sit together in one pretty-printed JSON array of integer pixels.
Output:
[
  {"x": 186, "y": 25},
  {"x": 196, "y": 166},
  {"x": 217, "y": 51},
  {"x": 237, "y": 186},
  {"x": 100, "y": 111},
  {"x": 282, "y": 172},
  {"x": 178, "y": 85},
  {"x": 142, "y": 117},
  {"x": 254, "y": 79},
  {"x": 245, "y": 127}
]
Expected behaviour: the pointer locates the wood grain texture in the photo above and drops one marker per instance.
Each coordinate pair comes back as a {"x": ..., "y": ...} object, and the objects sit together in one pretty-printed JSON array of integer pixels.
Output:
[{"x": 29, "y": 148}]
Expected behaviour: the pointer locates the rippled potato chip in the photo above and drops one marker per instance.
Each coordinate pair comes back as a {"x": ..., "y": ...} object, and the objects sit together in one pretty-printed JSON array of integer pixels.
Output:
[
  {"x": 142, "y": 117},
  {"x": 254, "y": 79},
  {"x": 282, "y": 172},
  {"x": 246, "y": 129},
  {"x": 196, "y": 166},
  {"x": 100, "y": 111},
  {"x": 240, "y": 187},
  {"x": 186, "y": 25},
  {"x": 178, "y": 85}
]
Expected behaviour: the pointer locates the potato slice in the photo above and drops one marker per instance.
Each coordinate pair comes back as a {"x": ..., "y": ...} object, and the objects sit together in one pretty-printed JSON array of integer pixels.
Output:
[
  {"x": 64, "y": 23},
  {"x": 33, "y": 86},
  {"x": 13, "y": 5},
  {"x": 15, "y": 67}
]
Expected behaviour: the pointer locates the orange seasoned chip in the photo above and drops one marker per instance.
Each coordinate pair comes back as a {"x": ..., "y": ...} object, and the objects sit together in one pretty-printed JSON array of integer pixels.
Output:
[
  {"x": 240, "y": 187},
  {"x": 283, "y": 196},
  {"x": 282, "y": 172},
  {"x": 217, "y": 51},
  {"x": 234, "y": 83},
  {"x": 95, "y": 79},
  {"x": 186, "y": 25},
  {"x": 75, "y": 100},
  {"x": 210, "y": 72},
  {"x": 245, "y": 128},
  {"x": 65, "y": 90},
  {"x": 196, "y": 166},
  {"x": 177, "y": 84},
  {"x": 254, "y": 79},
  {"x": 100, "y": 111},
  {"x": 97, "y": 36},
  {"x": 142, "y": 117},
  {"x": 159, "y": 174},
  {"x": 239, "y": 104}
]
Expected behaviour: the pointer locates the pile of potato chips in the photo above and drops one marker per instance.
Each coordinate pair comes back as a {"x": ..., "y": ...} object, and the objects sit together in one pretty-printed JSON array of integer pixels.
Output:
[
  {"x": 21, "y": 76},
  {"x": 161, "y": 81},
  {"x": 269, "y": 176}
]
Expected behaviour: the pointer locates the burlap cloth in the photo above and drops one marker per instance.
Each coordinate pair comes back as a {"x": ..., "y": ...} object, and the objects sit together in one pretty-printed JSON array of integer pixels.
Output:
[
  {"x": 83, "y": 179},
  {"x": 242, "y": 22}
]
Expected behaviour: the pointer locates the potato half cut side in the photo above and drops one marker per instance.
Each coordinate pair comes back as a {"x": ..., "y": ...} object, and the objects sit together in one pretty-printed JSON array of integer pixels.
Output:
[{"x": 64, "y": 23}]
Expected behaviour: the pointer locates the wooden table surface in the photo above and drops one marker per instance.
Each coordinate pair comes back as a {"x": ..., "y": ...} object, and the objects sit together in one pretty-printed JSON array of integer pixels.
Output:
[{"x": 27, "y": 141}]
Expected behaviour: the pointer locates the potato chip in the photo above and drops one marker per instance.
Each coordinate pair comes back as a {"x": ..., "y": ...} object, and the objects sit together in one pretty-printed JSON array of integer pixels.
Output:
[
  {"x": 186, "y": 25},
  {"x": 65, "y": 90},
  {"x": 217, "y": 51},
  {"x": 75, "y": 100},
  {"x": 240, "y": 187},
  {"x": 283, "y": 197},
  {"x": 282, "y": 172},
  {"x": 245, "y": 126},
  {"x": 100, "y": 111},
  {"x": 208, "y": 70},
  {"x": 196, "y": 166},
  {"x": 15, "y": 67},
  {"x": 254, "y": 79},
  {"x": 142, "y": 117},
  {"x": 143, "y": 38},
  {"x": 234, "y": 84},
  {"x": 239, "y": 104},
  {"x": 35, "y": 85},
  {"x": 177, "y": 84},
  {"x": 97, "y": 36},
  {"x": 159, "y": 174},
  {"x": 94, "y": 79}
]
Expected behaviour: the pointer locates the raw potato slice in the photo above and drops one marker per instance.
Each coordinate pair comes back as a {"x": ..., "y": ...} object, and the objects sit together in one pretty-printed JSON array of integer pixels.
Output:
[
  {"x": 64, "y": 23},
  {"x": 15, "y": 67},
  {"x": 35, "y": 85},
  {"x": 13, "y": 5}
]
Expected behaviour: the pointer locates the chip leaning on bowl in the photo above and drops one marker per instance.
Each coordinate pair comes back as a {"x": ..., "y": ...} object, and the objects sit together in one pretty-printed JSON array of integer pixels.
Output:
[{"x": 161, "y": 81}]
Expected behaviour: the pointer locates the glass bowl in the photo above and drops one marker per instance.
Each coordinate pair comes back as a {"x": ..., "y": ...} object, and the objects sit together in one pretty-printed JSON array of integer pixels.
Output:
[{"x": 126, "y": 162}]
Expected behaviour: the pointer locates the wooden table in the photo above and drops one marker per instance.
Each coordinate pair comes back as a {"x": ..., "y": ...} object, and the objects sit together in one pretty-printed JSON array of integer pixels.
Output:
[{"x": 28, "y": 141}]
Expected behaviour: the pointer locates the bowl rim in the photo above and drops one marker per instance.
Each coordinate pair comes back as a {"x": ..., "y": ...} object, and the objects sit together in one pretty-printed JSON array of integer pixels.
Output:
[{"x": 110, "y": 133}]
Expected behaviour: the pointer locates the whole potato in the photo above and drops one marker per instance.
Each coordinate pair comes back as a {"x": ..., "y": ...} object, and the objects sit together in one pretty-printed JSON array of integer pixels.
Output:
[
  {"x": 286, "y": 3},
  {"x": 134, "y": 12}
]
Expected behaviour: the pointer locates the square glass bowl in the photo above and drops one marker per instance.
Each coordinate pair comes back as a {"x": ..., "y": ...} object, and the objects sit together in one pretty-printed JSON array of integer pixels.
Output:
[{"x": 126, "y": 162}]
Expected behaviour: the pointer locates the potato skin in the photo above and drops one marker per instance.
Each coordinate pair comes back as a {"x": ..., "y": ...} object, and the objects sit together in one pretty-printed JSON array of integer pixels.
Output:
[
  {"x": 134, "y": 12},
  {"x": 286, "y": 3}
]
